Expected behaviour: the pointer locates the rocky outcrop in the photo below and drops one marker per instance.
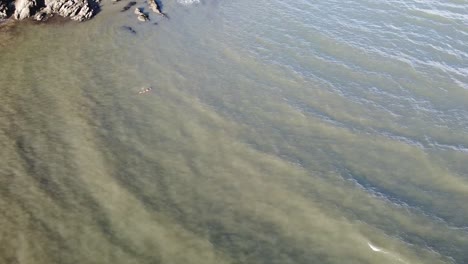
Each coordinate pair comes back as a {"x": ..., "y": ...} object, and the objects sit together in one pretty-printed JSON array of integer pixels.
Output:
[
  {"x": 153, "y": 4},
  {"x": 156, "y": 6},
  {"x": 78, "y": 10},
  {"x": 24, "y": 8},
  {"x": 4, "y": 9},
  {"x": 140, "y": 15}
]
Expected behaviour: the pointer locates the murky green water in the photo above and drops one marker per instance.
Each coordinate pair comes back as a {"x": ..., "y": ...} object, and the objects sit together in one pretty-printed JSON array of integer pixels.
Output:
[{"x": 276, "y": 132}]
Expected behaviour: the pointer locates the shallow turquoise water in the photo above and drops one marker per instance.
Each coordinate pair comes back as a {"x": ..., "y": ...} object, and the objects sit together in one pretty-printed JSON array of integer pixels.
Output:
[{"x": 275, "y": 132}]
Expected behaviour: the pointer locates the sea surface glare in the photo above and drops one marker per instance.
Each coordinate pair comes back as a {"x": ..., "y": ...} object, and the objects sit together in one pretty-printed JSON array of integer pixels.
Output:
[{"x": 275, "y": 132}]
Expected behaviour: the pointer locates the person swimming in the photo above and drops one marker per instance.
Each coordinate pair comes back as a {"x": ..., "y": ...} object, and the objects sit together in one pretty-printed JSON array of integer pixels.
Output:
[{"x": 145, "y": 90}]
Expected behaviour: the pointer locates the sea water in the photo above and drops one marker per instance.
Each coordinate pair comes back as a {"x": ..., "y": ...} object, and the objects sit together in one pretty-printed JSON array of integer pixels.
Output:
[{"x": 274, "y": 132}]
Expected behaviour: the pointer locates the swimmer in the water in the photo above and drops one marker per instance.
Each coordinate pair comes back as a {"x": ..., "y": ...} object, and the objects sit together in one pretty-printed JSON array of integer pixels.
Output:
[{"x": 145, "y": 90}]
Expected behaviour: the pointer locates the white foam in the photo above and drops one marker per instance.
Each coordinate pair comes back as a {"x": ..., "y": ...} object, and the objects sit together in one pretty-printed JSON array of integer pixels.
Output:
[
  {"x": 188, "y": 2},
  {"x": 376, "y": 249}
]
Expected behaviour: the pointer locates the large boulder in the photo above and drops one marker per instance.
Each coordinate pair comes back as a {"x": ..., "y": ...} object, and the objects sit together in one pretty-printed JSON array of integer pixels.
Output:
[
  {"x": 24, "y": 9},
  {"x": 78, "y": 10}
]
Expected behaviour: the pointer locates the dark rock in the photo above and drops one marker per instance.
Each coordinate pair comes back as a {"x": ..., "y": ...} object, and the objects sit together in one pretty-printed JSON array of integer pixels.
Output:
[
  {"x": 4, "y": 10},
  {"x": 128, "y": 6}
]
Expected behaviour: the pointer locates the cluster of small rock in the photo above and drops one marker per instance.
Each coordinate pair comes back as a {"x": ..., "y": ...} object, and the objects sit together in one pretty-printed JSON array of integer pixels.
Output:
[
  {"x": 153, "y": 5},
  {"x": 78, "y": 10}
]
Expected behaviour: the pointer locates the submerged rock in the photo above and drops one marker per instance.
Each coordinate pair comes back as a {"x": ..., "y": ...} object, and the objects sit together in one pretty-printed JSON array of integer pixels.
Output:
[
  {"x": 128, "y": 6},
  {"x": 129, "y": 29}
]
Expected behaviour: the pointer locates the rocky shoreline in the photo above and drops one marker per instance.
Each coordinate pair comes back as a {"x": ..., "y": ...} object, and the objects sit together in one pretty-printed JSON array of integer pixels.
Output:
[
  {"x": 78, "y": 10},
  {"x": 41, "y": 10}
]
